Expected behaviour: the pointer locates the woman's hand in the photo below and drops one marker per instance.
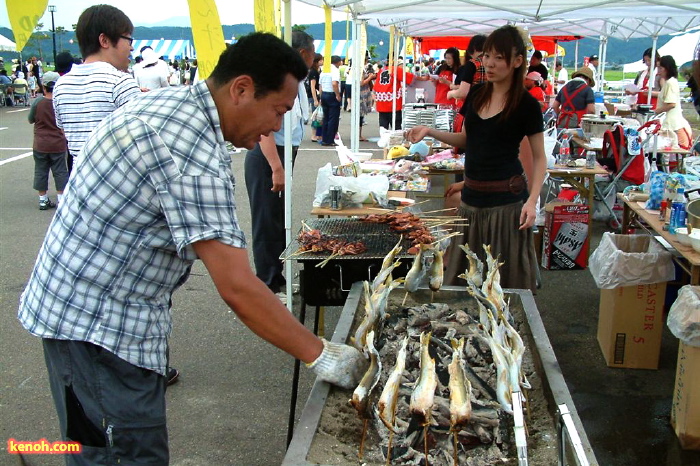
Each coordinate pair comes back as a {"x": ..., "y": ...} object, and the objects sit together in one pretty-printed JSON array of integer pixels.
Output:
[
  {"x": 417, "y": 133},
  {"x": 454, "y": 188},
  {"x": 528, "y": 215}
]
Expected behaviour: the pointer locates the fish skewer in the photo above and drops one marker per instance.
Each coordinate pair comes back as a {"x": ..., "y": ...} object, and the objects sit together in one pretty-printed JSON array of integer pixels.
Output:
[
  {"x": 390, "y": 396},
  {"x": 361, "y": 395},
  {"x": 476, "y": 267},
  {"x": 423, "y": 395},
  {"x": 417, "y": 271},
  {"x": 436, "y": 273},
  {"x": 460, "y": 393},
  {"x": 368, "y": 322}
]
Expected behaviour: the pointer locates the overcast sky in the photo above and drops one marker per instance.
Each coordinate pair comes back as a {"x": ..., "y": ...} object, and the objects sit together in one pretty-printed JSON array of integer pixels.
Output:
[{"x": 149, "y": 12}]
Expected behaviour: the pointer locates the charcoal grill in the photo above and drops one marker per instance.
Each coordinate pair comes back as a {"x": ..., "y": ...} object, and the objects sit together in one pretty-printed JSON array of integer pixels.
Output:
[{"x": 330, "y": 285}]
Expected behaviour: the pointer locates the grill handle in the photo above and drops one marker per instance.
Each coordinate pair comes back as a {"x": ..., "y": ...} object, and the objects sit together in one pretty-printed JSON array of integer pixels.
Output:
[{"x": 340, "y": 274}]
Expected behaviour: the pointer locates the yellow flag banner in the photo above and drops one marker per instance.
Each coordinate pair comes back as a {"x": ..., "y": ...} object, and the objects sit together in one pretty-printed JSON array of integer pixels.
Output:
[
  {"x": 24, "y": 15},
  {"x": 328, "y": 32},
  {"x": 207, "y": 34},
  {"x": 392, "y": 38},
  {"x": 409, "y": 48},
  {"x": 278, "y": 19},
  {"x": 265, "y": 14}
]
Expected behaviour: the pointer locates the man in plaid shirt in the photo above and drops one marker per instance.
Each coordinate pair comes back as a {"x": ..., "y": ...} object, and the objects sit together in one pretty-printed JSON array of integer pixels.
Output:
[{"x": 154, "y": 192}]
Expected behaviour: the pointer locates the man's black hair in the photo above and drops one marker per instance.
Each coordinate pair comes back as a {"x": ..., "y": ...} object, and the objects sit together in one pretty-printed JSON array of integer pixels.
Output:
[
  {"x": 476, "y": 44},
  {"x": 268, "y": 70},
  {"x": 302, "y": 41},
  {"x": 537, "y": 54},
  {"x": 64, "y": 62},
  {"x": 144, "y": 48},
  {"x": 335, "y": 59},
  {"x": 3, "y": 72},
  {"x": 101, "y": 19}
]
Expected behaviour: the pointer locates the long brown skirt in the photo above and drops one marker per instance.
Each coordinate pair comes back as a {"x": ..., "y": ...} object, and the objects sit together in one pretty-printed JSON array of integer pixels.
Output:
[{"x": 497, "y": 226}]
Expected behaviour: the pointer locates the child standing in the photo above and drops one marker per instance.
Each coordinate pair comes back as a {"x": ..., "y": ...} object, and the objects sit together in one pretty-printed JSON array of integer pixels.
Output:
[{"x": 49, "y": 145}]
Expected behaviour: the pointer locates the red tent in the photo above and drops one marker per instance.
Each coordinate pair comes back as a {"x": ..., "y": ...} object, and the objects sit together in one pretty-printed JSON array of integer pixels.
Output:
[{"x": 543, "y": 43}]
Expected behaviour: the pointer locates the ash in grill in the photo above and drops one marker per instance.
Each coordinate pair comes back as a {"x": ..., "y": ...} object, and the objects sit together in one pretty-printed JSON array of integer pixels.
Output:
[{"x": 486, "y": 439}]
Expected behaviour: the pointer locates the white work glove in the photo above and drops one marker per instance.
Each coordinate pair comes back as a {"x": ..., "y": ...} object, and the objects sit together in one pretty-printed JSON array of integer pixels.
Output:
[{"x": 340, "y": 365}]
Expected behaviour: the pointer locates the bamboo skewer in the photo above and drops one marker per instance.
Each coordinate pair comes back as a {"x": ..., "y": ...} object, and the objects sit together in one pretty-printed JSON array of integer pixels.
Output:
[
  {"x": 388, "y": 448},
  {"x": 362, "y": 439},
  {"x": 454, "y": 453},
  {"x": 425, "y": 444},
  {"x": 440, "y": 210},
  {"x": 327, "y": 260}
]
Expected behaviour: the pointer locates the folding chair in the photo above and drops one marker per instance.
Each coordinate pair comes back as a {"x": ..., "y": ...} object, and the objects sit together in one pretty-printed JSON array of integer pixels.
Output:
[
  {"x": 629, "y": 169},
  {"x": 20, "y": 93}
]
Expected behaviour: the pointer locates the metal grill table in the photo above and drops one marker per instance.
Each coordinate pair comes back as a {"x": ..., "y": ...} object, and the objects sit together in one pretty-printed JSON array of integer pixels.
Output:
[{"x": 330, "y": 285}]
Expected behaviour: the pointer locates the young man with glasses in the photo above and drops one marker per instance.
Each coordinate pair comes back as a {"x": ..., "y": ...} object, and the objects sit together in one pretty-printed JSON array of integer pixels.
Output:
[{"x": 88, "y": 93}]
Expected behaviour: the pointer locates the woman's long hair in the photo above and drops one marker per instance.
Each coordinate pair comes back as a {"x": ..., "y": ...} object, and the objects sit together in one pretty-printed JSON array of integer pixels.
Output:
[
  {"x": 507, "y": 41},
  {"x": 455, "y": 61}
]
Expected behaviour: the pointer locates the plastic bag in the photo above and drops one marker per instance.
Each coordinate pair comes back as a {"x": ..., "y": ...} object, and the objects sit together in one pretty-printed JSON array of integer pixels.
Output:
[
  {"x": 317, "y": 117},
  {"x": 626, "y": 260},
  {"x": 657, "y": 184},
  {"x": 355, "y": 189},
  {"x": 550, "y": 143},
  {"x": 684, "y": 316}
]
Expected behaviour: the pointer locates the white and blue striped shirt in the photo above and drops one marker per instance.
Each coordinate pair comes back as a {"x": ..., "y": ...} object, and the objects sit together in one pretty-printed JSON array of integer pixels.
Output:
[
  {"x": 84, "y": 96},
  {"x": 154, "y": 178}
]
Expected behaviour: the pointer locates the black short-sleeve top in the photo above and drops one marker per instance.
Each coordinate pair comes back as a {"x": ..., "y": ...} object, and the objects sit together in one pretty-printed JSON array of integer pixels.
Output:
[{"x": 493, "y": 145}]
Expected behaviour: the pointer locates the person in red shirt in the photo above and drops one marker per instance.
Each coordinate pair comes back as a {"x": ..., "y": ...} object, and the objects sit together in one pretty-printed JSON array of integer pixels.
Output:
[
  {"x": 533, "y": 84},
  {"x": 446, "y": 76},
  {"x": 385, "y": 96}
]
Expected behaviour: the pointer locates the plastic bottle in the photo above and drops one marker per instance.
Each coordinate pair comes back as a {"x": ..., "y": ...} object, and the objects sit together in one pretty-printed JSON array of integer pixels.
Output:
[
  {"x": 564, "y": 151},
  {"x": 590, "y": 159},
  {"x": 678, "y": 213}
]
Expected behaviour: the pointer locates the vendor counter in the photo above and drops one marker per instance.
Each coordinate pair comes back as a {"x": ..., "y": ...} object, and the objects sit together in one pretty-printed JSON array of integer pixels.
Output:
[{"x": 634, "y": 215}]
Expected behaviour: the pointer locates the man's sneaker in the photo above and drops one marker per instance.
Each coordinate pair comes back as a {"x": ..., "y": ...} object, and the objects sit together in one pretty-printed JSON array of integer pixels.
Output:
[
  {"x": 173, "y": 375},
  {"x": 46, "y": 204}
]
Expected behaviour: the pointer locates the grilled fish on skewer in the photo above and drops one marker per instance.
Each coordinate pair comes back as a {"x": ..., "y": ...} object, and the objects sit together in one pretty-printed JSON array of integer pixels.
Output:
[
  {"x": 476, "y": 267},
  {"x": 360, "y": 396},
  {"x": 391, "y": 256},
  {"x": 460, "y": 388},
  {"x": 503, "y": 392},
  {"x": 390, "y": 394},
  {"x": 417, "y": 272},
  {"x": 380, "y": 298},
  {"x": 368, "y": 322},
  {"x": 436, "y": 270},
  {"x": 384, "y": 275},
  {"x": 423, "y": 394}
]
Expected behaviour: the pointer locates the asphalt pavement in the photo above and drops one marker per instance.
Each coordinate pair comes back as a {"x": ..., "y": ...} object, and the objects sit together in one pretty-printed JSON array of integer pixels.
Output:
[{"x": 232, "y": 401}]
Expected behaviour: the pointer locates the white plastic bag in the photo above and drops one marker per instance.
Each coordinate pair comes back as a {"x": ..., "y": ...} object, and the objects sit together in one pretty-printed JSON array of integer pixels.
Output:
[
  {"x": 626, "y": 260},
  {"x": 550, "y": 142},
  {"x": 684, "y": 316},
  {"x": 355, "y": 189}
]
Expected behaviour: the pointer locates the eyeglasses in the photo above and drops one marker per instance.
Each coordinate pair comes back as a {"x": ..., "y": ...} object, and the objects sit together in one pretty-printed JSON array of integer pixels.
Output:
[{"x": 130, "y": 39}]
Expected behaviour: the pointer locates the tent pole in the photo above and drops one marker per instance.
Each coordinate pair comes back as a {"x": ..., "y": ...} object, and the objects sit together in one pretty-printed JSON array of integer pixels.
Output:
[
  {"x": 403, "y": 66},
  {"x": 576, "y": 55},
  {"x": 600, "y": 53},
  {"x": 603, "y": 58},
  {"x": 288, "y": 162},
  {"x": 652, "y": 72},
  {"x": 357, "y": 66}
]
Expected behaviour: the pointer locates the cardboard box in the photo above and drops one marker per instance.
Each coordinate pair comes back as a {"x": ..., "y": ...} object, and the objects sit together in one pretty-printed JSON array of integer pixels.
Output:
[
  {"x": 630, "y": 325},
  {"x": 685, "y": 410},
  {"x": 566, "y": 238}
]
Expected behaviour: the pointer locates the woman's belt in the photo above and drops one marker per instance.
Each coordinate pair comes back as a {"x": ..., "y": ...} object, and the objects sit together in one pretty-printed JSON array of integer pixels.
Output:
[{"x": 515, "y": 184}]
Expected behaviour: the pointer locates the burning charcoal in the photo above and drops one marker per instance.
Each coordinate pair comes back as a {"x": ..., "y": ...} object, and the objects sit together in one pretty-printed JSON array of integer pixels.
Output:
[
  {"x": 416, "y": 318},
  {"x": 462, "y": 317}
]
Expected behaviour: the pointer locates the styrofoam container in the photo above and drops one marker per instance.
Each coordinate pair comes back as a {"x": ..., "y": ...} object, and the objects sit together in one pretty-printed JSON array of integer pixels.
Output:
[
  {"x": 360, "y": 156},
  {"x": 682, "y": 236},
  {"x": 695, "y": 240}
]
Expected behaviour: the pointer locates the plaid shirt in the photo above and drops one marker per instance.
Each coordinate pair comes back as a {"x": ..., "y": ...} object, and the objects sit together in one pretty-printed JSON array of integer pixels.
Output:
[
  {"x": 155, "y": 178},
  {"x": 480, "y": 75}
]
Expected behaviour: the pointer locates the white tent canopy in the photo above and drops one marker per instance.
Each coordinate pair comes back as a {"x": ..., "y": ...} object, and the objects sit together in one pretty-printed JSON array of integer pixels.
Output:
[
  {"x": 681, "y": 48},
  {"x": 6, "y": 45},
  {"x": 622, "y": 19}
]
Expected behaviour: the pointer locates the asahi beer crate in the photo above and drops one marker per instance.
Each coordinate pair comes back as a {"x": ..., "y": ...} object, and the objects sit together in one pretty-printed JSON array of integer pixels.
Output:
[{"x": 566, "y": 239}]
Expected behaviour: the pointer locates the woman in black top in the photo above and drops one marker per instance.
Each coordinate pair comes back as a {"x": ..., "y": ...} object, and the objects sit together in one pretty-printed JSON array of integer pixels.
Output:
[
  {"x": 498, "y": 201},
  {"x": 313, "y": 91}
]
